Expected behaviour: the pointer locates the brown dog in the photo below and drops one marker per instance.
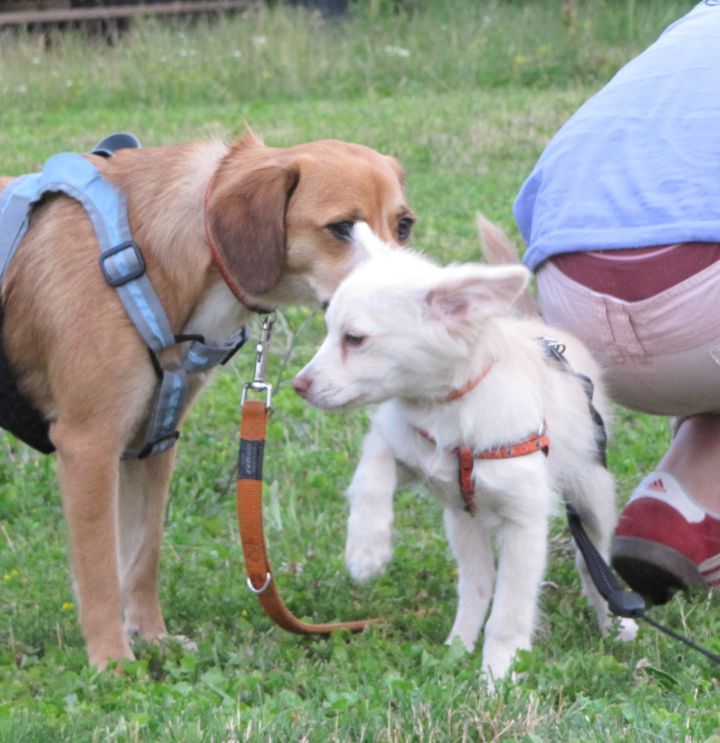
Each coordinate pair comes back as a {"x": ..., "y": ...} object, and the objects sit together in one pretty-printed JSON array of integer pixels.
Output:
[{"x": 279, "y": 221}]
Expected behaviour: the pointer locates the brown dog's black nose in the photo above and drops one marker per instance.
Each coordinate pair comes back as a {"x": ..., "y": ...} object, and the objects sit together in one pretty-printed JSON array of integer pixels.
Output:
[{"x": 301, "y": 384}]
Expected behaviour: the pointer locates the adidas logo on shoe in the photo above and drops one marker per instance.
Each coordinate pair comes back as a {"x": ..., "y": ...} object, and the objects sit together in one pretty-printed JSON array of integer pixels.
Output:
[
  {"x": 657, "y": 486},
  {"x": 664, "y": 487}
]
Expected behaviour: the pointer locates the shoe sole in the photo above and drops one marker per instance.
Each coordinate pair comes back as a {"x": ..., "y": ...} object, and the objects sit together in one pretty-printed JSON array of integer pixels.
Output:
[{"x": 653, "y": 570}]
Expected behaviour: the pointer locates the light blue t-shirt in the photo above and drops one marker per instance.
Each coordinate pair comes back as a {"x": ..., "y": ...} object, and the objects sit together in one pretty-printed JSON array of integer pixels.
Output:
[{"x": 639, "y": 163}]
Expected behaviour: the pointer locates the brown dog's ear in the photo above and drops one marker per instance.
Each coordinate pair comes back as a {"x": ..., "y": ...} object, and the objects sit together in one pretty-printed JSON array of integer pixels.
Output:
[{"x": 246, "y": 216}]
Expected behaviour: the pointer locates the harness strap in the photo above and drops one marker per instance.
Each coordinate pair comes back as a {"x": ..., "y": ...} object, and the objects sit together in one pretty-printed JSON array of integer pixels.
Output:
[
  {"x": 467, "y": 455},
  {"x": 249, "y": 503},
  {"x": 556, "y": 350},
  {"x": 17, "y": 413},
  {"x": 469, "y": 386},
  {"x": 529, "y": 445},
  {"x": 123, "y": 266},
  {"x": 203, "y": 355},
  {"x": 161, "y": 432},
  {"x": 114, "y": 142},
  {"x": 121, "y": 261}
]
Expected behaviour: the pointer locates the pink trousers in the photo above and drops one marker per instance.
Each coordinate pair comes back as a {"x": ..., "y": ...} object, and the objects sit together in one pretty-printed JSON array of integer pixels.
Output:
[{"x": 660, "y": 353}]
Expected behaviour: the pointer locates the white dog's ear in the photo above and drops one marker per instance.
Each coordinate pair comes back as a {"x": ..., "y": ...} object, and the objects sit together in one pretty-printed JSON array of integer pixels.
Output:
[{"x": 470, "y": 291}]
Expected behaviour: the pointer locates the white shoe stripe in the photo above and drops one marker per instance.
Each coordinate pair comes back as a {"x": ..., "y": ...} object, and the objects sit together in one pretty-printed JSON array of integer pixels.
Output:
[
  {"x": 710, "y": 564},
  {"x": 713, "y": 579},
  {"x": 674, "y": 495}
]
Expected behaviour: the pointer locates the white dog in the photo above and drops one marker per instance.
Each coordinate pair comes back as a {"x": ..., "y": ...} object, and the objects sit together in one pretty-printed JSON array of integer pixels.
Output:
[{"x": 476, "y": 404}]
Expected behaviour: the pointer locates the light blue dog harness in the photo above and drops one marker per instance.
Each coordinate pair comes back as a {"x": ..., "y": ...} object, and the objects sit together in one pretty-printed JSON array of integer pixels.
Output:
[{"x": 123, "y": 267}]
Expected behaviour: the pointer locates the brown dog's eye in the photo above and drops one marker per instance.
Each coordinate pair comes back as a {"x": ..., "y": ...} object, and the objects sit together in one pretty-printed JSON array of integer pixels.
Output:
[
  {"x": 353, "y": 340},
  {"x": 405, "y": 226},
  {"x": 342, "y": 230}
]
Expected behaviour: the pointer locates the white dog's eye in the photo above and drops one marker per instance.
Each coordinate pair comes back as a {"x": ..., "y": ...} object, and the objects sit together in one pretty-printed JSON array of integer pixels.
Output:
[{"x": 353, "y": 341}]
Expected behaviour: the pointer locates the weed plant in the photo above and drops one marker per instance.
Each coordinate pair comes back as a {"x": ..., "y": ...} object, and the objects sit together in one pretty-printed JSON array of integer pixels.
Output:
[{"x": 465, "y": 94}]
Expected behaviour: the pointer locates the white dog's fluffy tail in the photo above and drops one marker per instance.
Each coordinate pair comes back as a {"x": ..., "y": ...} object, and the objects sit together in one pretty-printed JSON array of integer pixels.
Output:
[
  {"x": 494, "y": 242},
  {"x": 498, "y": 249}
]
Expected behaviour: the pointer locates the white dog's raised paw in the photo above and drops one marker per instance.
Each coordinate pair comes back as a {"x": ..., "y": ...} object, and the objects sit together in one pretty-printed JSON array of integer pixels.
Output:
[{"x": 367, "y": 554}]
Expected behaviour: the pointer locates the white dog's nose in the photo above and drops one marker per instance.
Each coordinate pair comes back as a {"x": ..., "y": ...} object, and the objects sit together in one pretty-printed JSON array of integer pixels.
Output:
[{"x": 301, "y": 384}]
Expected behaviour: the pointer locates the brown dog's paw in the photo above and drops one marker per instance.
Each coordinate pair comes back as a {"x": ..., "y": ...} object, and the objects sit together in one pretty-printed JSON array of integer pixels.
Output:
[
  {"x": 171, "y": 643},
  {"x": 188, "y": 645},
  {"x": 162, "y": 653},
  {"x": 103, "y": 659}
]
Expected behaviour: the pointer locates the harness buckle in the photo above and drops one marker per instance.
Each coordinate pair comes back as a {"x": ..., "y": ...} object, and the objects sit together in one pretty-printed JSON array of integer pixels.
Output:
[
  {"x": 156, "y": 446},
  {"x": 242, "y": 340},
  {"x": 126, "y": 263}
]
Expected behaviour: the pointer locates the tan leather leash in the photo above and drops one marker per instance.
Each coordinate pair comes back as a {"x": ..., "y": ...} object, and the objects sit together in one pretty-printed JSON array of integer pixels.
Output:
[{"x": 260, "y": 580}]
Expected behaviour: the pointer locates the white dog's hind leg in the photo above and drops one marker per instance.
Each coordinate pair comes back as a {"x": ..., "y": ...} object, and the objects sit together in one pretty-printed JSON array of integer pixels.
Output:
[
  {"x": 521, "y": 567},
  {"x": 472, "y": 547},
  {"x": 370, "y": 495},
  {"x": 594, "y": 498}
]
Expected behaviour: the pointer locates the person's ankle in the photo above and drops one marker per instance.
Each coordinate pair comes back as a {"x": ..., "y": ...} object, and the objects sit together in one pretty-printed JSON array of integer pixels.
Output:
[{"x": 693, "y": 459}]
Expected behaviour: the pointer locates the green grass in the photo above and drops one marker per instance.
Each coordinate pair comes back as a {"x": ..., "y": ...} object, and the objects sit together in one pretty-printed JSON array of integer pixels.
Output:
[
  {"x": 291, "y": 55},
  {"x": 467, "y": 113}
]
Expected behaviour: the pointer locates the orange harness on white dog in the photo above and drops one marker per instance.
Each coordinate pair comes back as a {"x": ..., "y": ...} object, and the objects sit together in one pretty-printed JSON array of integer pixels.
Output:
[{"x": 467, "y": 455}]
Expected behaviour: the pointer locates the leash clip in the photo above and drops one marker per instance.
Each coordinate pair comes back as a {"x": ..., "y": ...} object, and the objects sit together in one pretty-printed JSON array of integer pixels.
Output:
[
  {"x": 262, "y": 351},
  {"x": 257, "y": 387},
  {"x": 555, "y": 348}
]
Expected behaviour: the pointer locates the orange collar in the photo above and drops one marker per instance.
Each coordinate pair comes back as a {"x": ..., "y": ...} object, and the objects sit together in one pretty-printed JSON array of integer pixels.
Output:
[
  {"x": 240, "y": 295},
  {"x": 468, "y": 386},
  {"x": 467, "y": 455}
]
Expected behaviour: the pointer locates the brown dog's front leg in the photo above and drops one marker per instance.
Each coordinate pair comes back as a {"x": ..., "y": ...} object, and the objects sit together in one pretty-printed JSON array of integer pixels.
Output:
[
  {"x": 88, "y": 469},
  {"x": 143, "y": 491}
]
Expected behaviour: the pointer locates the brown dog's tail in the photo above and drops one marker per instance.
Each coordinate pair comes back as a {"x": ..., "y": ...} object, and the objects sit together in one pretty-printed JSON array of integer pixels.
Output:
[{"x": 498, "y": 249}]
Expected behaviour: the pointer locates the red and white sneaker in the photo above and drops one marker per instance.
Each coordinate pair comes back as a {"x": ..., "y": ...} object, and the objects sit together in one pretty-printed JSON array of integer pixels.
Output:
[{"x": 665, "y": 542}]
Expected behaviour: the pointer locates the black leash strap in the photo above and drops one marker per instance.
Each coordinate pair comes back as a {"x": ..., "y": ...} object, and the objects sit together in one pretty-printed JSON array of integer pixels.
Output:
[{"x": 621, "y": 603}]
